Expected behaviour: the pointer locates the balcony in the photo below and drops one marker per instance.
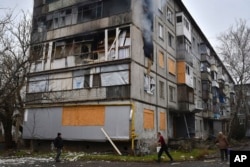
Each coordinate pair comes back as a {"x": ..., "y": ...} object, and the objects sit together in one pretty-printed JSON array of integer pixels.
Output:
[
  {"x": 204, "y": 50},
  {"x": 184, "y": 55},
  {"x": 82, "y": 95},
  {"x": 206, "y": 76},
  {"x": 207, "y": 114},
  {"x": 205, "y": 58},
  {"x": 214, "y": 68},
  {"x": 183, "y": 27},
  {"x": 206, "y": 95},
  {"x": 215, "y": 84}
]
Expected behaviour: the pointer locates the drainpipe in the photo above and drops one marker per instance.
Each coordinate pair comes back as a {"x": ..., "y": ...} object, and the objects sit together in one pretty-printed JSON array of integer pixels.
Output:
[{"x": 132, "y": 118}]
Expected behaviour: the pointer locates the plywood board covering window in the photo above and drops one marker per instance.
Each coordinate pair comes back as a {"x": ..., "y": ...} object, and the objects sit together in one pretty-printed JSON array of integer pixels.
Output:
[
  {"x": 83, "y": 116},
  {"x": 181, "y": 66},
  {"x": 171, "y": 66},
  {"x": 162, "y": 120},
  {"x": 161, "y": 59},
  {"x": 148, "y": 120}
]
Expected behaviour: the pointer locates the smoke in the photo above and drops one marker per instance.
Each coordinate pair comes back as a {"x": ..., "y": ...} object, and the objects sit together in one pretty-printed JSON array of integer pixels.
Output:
[{"x": 149, "y": 10}]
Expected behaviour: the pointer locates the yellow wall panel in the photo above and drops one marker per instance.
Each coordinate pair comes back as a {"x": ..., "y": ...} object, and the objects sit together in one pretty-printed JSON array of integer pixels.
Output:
[
  {"x": 83, "y": 116},
  {"x": 148, "y": 119},
  {"x": 162, "y": 120}
]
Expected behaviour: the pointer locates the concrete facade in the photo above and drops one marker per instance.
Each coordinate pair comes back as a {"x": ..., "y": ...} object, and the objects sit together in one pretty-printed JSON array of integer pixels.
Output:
[{"x": 130, "y": 67}]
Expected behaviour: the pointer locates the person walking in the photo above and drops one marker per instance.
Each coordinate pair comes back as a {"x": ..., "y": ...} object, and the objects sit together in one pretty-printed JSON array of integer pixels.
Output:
[
  {"x": 222, "y": 143},
  {"x": 58, "y": 143},
  {"x": 164, "y": 147}
]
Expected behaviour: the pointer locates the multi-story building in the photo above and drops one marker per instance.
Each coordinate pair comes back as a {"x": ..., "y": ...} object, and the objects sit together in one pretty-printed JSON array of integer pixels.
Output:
[{"x": 130, "y": 68}]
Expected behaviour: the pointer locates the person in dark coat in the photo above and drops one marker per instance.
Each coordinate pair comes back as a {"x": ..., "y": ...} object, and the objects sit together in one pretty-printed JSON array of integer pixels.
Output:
[
  {"x": 222, "y": 143},
  {"x": 164, "y": 147},
  {"x": 58, "y": 143}
]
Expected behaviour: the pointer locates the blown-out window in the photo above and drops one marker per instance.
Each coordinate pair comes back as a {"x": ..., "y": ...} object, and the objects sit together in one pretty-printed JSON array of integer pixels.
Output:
[{"x": 149, "y": 84}]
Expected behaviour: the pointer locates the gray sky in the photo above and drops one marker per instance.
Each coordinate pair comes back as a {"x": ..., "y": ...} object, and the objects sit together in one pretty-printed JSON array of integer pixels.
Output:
[
  {"x": 216, "y": 16},
  {"x": 212, "y": 16},
  {"x": 16, "y": 4}
]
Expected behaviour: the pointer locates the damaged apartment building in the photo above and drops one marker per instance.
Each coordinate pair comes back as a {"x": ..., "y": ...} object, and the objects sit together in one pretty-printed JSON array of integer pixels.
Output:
[{"x": 129, "y": 68}]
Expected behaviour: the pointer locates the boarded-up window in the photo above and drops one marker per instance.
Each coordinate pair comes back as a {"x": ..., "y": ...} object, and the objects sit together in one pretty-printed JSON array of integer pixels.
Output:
[
  {"x": 148, "y": 121},
  {"x": 83, "y": 116},
  {"x": 162, "y": 120},
  {"x": 171, "y": 66},
  {"x": 161, "y": 59}
]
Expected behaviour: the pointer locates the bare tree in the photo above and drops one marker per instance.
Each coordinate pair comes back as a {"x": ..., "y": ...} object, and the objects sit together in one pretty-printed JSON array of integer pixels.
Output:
[
  {"x": 235, "y": 50},
  {"x": 14, "y": 65}
]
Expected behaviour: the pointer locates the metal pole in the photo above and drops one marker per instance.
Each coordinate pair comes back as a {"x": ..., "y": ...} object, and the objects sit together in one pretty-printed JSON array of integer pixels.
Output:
[{"x": 111, "y": 141}]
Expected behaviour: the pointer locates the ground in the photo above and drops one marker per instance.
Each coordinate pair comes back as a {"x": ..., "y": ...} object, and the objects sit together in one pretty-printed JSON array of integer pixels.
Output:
[{"x": 30, "y": 161}]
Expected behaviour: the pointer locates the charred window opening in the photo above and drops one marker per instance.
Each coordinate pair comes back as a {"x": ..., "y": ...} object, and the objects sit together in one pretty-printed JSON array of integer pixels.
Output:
[
  {"x": 36, "y": 52},
  {"x": 91, "y": 47},
  {"x": 86, "y": 81},
  {"x": 148, "y": 29},
  {"x": 39, "y": 24},
  {"x": 83, "y": 12},
  {"x": 89, "y": 12},
  {"x": 50, "y": 1},
  {"x": 96, "y": 80},
  {"x": 59, "y": 19}
]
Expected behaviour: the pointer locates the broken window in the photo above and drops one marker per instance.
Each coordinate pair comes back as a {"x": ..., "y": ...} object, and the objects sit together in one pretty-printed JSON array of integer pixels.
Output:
[
  {"x": 86, "y": 81},
  {"x": 89, "y": 12},
  {"x": 38, "y": 84},
  {"x": 59, "y": 49},
  {"x": 50, "y": 1},
  {"x": 149, "y": 84},
  {"x": 36, "y": 52},
  {"x": 78, "y": 82},
  {"x": 96, "y": 80}
]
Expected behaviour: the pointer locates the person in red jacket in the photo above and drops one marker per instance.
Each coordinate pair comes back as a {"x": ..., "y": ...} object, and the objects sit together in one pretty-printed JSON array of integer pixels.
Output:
[{"x": 164, "y": 147}]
